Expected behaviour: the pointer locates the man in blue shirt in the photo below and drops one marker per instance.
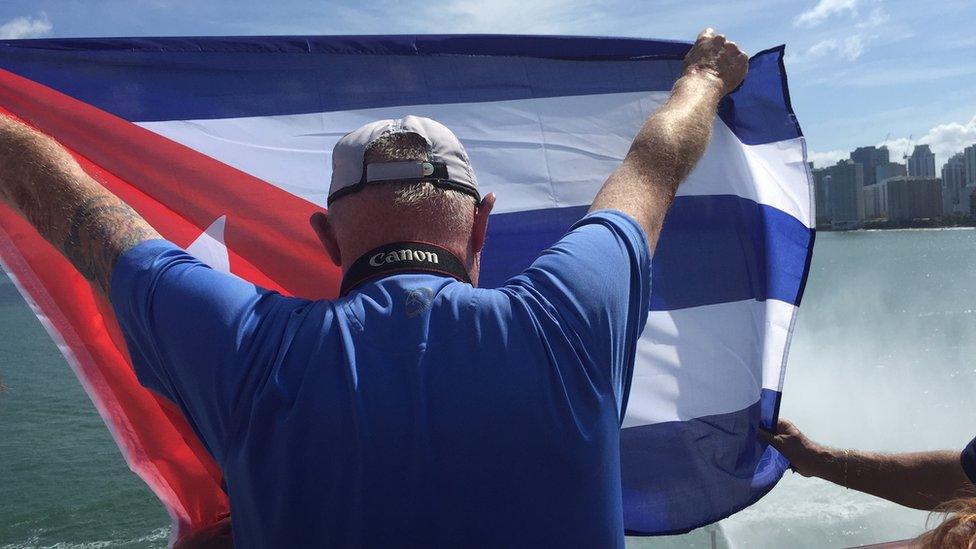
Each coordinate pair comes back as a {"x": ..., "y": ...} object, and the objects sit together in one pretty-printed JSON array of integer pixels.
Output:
[{"x": 415, "y": 409}]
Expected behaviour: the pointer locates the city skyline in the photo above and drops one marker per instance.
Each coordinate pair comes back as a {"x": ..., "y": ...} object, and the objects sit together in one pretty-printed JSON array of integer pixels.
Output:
[
  {"x": 965, "y": 156},
  {"x": 860, "y": 70},
  {"x": 868, "y": 188}
]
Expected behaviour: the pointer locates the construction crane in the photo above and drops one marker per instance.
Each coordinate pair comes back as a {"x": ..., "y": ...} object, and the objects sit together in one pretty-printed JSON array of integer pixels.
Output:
[
  {"x": 908, "y": 148},
  {"x": 885, "y": 142}
]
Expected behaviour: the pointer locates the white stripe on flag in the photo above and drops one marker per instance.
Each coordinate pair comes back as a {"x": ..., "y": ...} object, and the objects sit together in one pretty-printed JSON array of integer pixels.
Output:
[
  {"x": 678, "y": 376},
  {"x": 533, "y": 153}
]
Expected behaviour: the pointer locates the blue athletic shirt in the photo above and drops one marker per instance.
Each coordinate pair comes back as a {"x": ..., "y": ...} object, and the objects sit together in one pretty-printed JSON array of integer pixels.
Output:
[{"x": 415, "y": 411}]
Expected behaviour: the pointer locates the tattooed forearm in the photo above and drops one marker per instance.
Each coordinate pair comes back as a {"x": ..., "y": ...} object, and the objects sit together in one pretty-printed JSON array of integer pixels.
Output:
[
  {"x": 101, "y": 229},
  {"x": 90, "y": 225}
]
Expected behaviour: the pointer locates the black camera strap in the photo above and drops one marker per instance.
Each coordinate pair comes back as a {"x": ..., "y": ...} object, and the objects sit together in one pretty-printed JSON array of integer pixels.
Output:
[{"x": 403, "y": 257}]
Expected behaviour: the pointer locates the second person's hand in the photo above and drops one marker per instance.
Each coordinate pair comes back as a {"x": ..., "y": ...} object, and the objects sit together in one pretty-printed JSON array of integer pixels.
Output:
[{"x": 804, "y": 454}]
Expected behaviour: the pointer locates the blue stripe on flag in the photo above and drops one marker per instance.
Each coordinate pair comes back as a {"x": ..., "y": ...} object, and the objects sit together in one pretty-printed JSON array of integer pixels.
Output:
[
  {"x": 713, "y": 249},
  {"x": 152, "y": 85},
  {"x": 578, "y": 48},
  {"x": 707, "y": 467},
  {"x": 760, "y": 111},
  {"x": 144, "y": 80}
]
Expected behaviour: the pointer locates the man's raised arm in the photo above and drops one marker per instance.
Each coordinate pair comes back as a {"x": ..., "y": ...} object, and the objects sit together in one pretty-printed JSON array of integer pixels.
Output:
[
  {"x": 90, "y": 225},
  {"x": 672, "y": 140}
]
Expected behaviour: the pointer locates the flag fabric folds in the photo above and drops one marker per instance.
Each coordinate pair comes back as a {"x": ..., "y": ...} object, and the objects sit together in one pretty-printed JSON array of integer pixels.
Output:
[{"x": 224, "y": 144}]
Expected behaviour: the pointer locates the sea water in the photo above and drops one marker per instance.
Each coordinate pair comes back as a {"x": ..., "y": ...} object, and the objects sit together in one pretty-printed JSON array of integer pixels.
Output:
[{"x": 884, "y": 358}]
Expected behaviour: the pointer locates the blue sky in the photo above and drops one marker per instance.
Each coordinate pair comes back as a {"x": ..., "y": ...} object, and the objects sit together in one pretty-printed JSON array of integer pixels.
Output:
[{"x": 858, "y": 69}]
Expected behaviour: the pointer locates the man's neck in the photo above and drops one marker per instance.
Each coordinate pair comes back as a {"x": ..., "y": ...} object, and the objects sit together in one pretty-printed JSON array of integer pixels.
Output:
[
  {"x": 401, "y": 258},
  {"x": 470, "y": 261}
]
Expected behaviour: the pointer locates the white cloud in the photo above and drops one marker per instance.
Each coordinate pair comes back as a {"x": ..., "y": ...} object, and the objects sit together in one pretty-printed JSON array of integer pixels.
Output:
[
  {"x": 829, "y": 158},
  {"x": 944, "y": 140},
  {"x": 948, "y": 139},
  {"x": 846, "y": 38},
  {"x": 849, "y": 48},
  {"x": 26, "y": 27},
  {"x": 877, "y": 18},
  {"x": 898, "y": 147},
  {"x": 824, "y": 9}
]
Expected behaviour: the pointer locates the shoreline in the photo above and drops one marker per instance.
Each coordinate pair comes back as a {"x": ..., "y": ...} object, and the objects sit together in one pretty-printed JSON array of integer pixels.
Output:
[{"x": 900, "y": 229}]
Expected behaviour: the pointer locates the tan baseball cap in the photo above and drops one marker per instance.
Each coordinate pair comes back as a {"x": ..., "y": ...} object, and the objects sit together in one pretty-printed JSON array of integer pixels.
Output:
[{"x": 447, "y": 165}]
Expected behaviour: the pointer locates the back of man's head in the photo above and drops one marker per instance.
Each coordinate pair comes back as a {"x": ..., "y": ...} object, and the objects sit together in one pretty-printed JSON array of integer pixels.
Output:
[
  {"x": 406, "y": 180},
  {"x": 397, "y": 210}
]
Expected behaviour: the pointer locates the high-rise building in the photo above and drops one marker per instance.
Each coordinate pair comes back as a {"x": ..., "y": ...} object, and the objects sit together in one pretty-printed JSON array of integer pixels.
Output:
[
  {"x": 821, "y": 180},
  {"x": 922, "y": 162},
  {"x": 875, "y": 206},
  {"x": 844, "y": 182},
  {"x": 955, "y": 199},
  {"x": 888, "y": 170},
  {"x": 909, "y": 198},
  {"x": 869, "y": 158},
  {"x": 969, "y": 159}
]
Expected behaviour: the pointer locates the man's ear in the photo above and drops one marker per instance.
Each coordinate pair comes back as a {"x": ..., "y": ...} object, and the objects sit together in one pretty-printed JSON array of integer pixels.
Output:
[
  {"x": 323, "y": 229},
  {"x": 480, "y": 228}
]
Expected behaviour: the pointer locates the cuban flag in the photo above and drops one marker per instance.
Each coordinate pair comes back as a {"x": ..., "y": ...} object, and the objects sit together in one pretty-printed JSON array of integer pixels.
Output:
[{"x": 223, "y": 145}]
